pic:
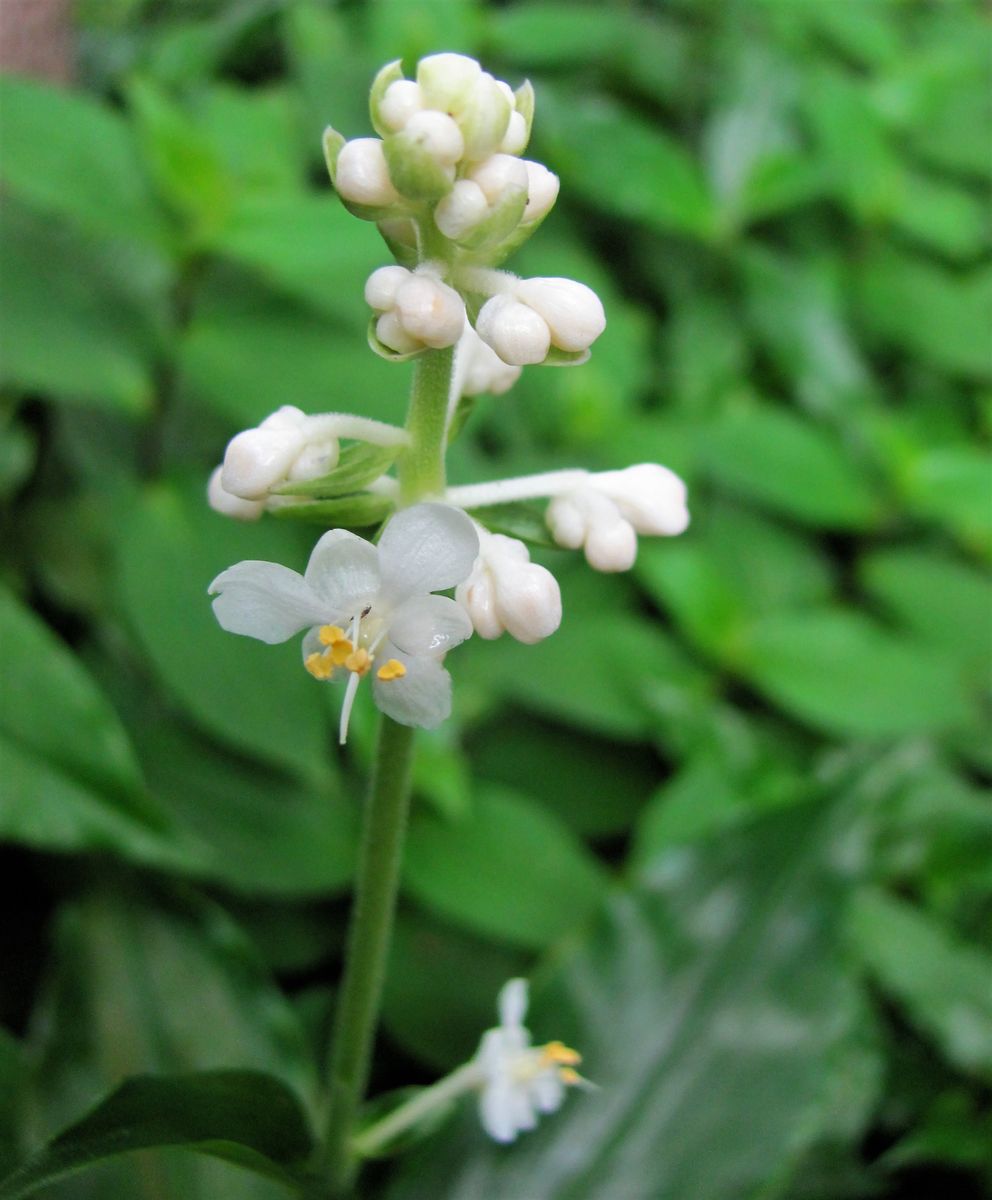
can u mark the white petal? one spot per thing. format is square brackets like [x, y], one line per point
[429, 625]
[426, 548]
[547, 1091]
[496, 1112]
[421, 697]
[344, 570]
[266, 601]
[512, 1002]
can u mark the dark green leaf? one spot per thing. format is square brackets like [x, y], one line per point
[243, 1117]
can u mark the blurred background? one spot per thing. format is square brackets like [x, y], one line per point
[732, 818]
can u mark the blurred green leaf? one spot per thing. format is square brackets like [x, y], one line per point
[13, 1077]
[845, 675]
[717, 991]
[396, 28]
[789, 465]
[469, 870]
[943, 216]
[942, 982]
[70, 156]
[243, 1117]
[254, 697]
[439, 1024]
[77, 317]
[542, 35]
[952, 485]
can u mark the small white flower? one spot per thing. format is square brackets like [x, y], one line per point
[607, 510]
[507, 593]
[362, 176]
[481, 368]
[520, 1080]
[417, 309]
[367, 607]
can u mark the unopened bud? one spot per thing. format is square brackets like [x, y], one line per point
[389, 330]
[461, 210]
[542, 190]
[258, 459]
[362, 175]
[402, 99]
[447, 81]
[437, 134]
[431, 311]
[506, 591]
[517, 333]
[516, 136]
[482, 368]
[485, 117]
[224, 502]
[315, 460]
[584, 517]
[651, 497]
[382, 286]
[496, 173]
[573, 312]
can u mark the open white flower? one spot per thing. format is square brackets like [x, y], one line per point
[367, 609]
[520, 1080]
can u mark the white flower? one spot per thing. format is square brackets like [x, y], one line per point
[362, 176]
[507, 593]
[481, 368]
[520, 1080]
[607, 510]
[417, 309]
[367, 609]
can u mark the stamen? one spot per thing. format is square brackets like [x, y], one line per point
[391, 669]
[341, 651]
[569, 1076]
[358, 661]
[349, 699]
[558, 1052]
[320, 666]
[329, 634]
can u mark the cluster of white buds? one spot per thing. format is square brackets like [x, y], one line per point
[528, 316]
[606, 511]
[480, 369]
[287, 447]
[507, 593]
[416, 308]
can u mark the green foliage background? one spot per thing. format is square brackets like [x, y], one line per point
[731, 817]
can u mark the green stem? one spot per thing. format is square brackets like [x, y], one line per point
[463, 1080]
[422, 466]
[368, 945]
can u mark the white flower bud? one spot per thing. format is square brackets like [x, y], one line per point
[431, 311]
[516, 136]
[506, 591]
[288, 416]
[542, 190]
[447, 81]
[482, 368]
[651, 497]
[438, 134]
[496, 173]
[484, 119]
[567, 522]
[507, 91]
[517, 333]
[389, 330]
[362, 176]
[611, 547]
[585, 517]
[401, 100]
[382, 286]
[258, 459]
[573, 312]
[461, 210]
[315, 460]
[230, 505]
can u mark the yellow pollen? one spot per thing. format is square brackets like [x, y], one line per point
[558, 1052]
[319, 665]
[569, 1075]
[340, 651]
[329, 634]
[358, 661]
[393, 669]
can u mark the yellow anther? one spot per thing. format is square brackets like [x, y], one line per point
[393, 669]
[569, 1076]
[340, 651]
[319, 665]
[558, 1052]
[329, 634]
[358, 661]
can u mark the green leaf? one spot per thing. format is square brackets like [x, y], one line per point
[358, 465]
[845, 675]
[70, 156]
[623, 163]
[468, 870]
[943, 216]
[952, 485]
[543, 35]
[348, 512]
[717, 991]
[942, 982]
[78, 315]
[243, 1117]
[789, 465]
[254, 697]
[437, 1023]
[520, 520]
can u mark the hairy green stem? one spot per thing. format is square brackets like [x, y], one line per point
[422, 465]
[377, 882]
[368, 945]
[376, 1136]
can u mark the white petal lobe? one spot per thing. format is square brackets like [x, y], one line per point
[266, 601]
